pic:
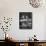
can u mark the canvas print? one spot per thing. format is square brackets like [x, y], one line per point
[25, 20]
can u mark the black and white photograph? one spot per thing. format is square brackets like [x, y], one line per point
[25, 20]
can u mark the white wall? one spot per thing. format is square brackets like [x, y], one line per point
[11, 8]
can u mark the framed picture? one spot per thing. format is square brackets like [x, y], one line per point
[25, 20]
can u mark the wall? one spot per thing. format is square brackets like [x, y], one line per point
[11, 8]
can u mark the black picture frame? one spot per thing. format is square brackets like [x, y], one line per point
[25, 20]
